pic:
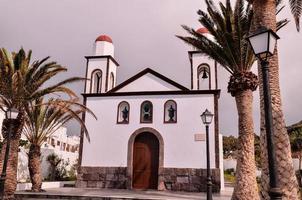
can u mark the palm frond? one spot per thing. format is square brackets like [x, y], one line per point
[296, 9]
[228, 27]
[43, 119]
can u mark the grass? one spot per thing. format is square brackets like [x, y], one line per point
[229, 177]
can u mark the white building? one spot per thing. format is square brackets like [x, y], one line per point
[149, 134]
[65, 147]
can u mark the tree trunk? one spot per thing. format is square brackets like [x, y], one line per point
[34, 166]
[264, 15]
[12, 165]
[246, 184]
[300, 158]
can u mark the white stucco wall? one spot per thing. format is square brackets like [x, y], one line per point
[109, 140]
[104, 48]
[221, 162]
[148, 82]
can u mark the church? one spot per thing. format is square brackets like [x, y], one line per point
[148, 133]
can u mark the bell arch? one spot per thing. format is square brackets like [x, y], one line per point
[203, 77]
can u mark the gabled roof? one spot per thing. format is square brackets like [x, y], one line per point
[145, 72]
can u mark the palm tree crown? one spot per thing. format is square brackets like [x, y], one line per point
[229, 28]
[44, 118]
[22, 81]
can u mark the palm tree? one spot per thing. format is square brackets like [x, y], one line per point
[20, 83]
[229, 28]
[265, 16]
[229, 48]
[42, 119]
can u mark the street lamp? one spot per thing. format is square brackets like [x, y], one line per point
[10, 115]
[206, 118]
[263, 44]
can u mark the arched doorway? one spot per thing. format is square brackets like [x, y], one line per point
[145, 161]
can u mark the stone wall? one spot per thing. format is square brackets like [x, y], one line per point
[188, 179]
[102, 177]
[175, 179]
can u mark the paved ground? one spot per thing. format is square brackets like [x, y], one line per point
[79, 193]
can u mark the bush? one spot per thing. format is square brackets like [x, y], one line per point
[57, 168]
[230, 171]
[229, 175]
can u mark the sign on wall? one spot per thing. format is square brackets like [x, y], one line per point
[199, 137]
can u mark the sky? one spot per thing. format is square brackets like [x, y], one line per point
[143, 33]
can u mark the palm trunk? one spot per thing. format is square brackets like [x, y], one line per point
[246, 184]
[34, 166]
[264, 12]
[12, 165]
[300, 158]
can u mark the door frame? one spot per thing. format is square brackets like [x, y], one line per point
[130, 153]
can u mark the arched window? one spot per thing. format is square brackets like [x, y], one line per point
[170, 112]
[111, 80]
[123, 111]
[146, 112]
[203, 77]
[96, 81]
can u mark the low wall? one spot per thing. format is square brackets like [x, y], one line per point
[45, 185]
[175, 179]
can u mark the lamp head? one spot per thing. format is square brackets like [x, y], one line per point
[207, 117]
[263, 43]
[12, 113]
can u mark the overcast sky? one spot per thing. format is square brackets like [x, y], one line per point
[143, 34]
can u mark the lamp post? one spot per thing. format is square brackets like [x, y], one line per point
[263, 44]
[206, 118]
[11, 115]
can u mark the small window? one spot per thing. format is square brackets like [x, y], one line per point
[58, 143]
[64, 145]
[146, 112]
[203, 77]
[170, 112]
[123, 111]
[96, 81]
[53, 142]
[112, 80]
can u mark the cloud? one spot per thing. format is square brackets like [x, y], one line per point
[143, 32]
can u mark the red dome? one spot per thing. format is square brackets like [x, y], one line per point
[105, 38]
[202, 30]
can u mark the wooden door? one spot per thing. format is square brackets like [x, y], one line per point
[145, 161]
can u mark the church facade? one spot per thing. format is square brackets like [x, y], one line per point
[149, 134]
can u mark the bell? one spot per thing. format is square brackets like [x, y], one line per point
[204, 75]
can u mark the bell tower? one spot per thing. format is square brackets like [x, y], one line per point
[101, 67]
[203, 69]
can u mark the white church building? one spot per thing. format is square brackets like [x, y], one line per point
[149, 134]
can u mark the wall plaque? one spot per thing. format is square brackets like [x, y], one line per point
[200, 137]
